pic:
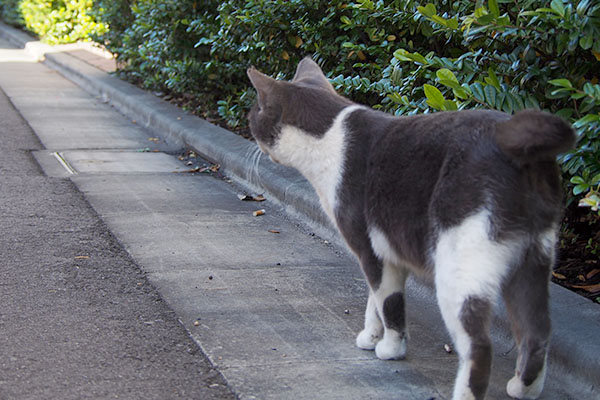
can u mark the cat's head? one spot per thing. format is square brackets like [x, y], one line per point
[307, 103]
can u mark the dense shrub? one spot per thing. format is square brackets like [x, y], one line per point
[56, 21]
[9, 12]
[402, 56]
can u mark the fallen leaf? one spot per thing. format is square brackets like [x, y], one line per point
[558, 276]
[588, 288]
[247, 197]
[154, 139]
[215, 167]
[192, 171]
[592, 273]
[273, 231]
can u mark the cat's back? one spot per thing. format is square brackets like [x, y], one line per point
[432, 171]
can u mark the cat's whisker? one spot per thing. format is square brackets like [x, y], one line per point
[252, 173]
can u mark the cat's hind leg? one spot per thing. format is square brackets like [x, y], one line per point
[469, 270]
[526, 298]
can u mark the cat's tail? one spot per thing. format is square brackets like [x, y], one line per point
[532, 136]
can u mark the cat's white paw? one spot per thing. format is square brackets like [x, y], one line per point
[367, 339]
[516, 389]
[391, 347]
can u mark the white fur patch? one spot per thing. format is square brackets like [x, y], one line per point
[320, 160]
[462, 391]
[469, 264]
[373, 331]
[382, 247]
[516, 389]
[547, 241]
[467, 256]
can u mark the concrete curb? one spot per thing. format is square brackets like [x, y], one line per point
[575, 340]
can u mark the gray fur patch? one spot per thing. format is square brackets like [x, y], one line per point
[393, 312]
[475, 315]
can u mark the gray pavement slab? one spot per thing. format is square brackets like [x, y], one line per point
[276, 313]
[66, 117]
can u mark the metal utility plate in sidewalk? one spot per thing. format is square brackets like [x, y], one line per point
[66, 163]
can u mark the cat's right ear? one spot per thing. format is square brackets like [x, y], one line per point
[262, 83]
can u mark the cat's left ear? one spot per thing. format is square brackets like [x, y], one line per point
[262, 83]
[309, 71]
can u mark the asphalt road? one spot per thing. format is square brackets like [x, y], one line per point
[78, 318]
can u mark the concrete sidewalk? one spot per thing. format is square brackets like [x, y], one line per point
[276, 313]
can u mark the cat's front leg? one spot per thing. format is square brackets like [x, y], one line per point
[389, 298]
[373, 331]
[385, 325]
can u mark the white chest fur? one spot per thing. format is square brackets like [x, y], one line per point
[320, 160]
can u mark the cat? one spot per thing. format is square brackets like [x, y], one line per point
[469, 199]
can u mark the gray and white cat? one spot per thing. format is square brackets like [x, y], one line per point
[471, 199]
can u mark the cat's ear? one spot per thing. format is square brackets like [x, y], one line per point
[262, 83]
[309, 71]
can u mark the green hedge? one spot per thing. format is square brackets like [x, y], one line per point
[401, 56]
[56, 21]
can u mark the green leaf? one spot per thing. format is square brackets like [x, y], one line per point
[395, 97]
[490, 95]
[586, 42]
[595, 180]
[479, 12]
[450, 105]
[477, 90]
[404, 55]
[485, 19]
[452, 23]
[428, 11]
[345, 20]
[561, 82]
[435, 98]
[508, 105]
[558, 7]
[493, 6]
[503, 21]
[582, 7]
[446, 74]
[560, 93]
[439, 20]
[492, 79]
[449, 83]
[518, 101]
[588, 119]
[580, 189]
[460, 93]
[578, 95]
[577, 180]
